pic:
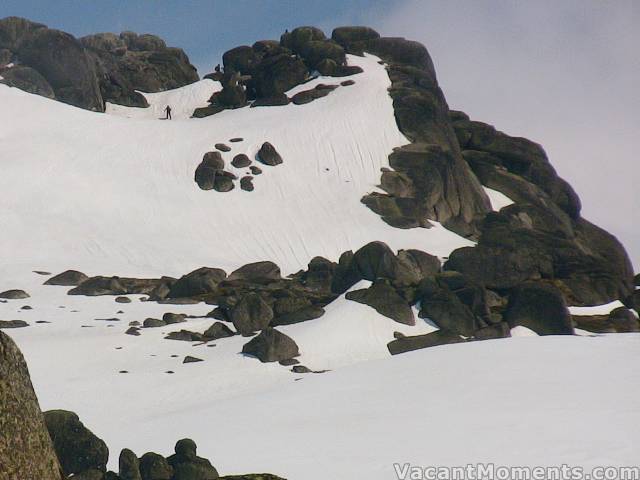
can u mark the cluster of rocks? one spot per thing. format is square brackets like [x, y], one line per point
[92, 70]
[211, 174]
[541, 241]
[261, 74]
[57, 445]
[255, 299]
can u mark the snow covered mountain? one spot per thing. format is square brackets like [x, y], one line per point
[474, 237]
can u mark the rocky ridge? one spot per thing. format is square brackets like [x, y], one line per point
[92, 70]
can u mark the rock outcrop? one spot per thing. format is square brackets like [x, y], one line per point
[90, 71]
[26, 450]
[128, 62]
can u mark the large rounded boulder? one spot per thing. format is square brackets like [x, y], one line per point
[77, 448]
[539, 307]
[187, 465]
[199, 282]
[271, 345]
[27, 79]
[63, 61]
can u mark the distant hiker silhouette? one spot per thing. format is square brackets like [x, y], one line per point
[168, 112]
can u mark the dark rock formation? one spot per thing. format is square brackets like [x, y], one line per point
[241, 161]
[27, 79]
[129, 465]
[93, 70]
[155, 467]
[303, 314]
[201, 281]
[308, 96]
[131, 62]
[271, 346]
[69, 278]
[185, 336]
[269, 155]
[13, 324]
[187, 465]
[433, 339]
[190, 359]
[211, 166]
[429, 183]
[76, 447]
[251, 314]
[257, 272]
[64, 63]
[14, 294]
[441, 305]
[354, 39]
[539, 307]
[274, 101]
[26, 450]
[619, 320]
[218, 330]
[385, 300]
[590, 268]
[96, 286]
[246, 184]
[153, 323]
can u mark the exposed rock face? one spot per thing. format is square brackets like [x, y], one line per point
[76, 447]
[271, 346]
[428, 183]
[64, 63]
[441, 305]
[590, 267]
[430, 178]
[26, 450]
[130, 62]
[93, 70]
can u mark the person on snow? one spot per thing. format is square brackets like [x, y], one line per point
[168, 112]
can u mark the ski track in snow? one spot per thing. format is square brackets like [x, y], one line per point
[114, 194]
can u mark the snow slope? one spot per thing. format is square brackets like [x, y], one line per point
[112, 195]
[183, 101]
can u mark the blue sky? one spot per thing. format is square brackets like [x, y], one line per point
[562, 73]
